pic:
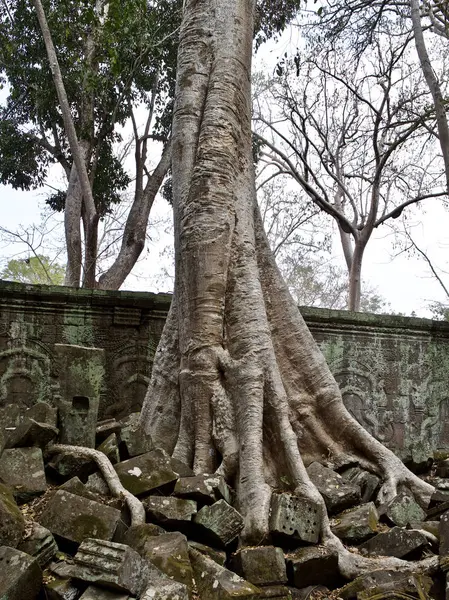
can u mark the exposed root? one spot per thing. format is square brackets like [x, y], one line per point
[135, 506]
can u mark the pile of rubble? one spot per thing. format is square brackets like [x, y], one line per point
[64, 537]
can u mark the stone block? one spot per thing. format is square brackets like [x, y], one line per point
[105, 428]
[165, 590]
[2, 439]
[219, 556]
[312, 566]
[444, 534]
[20, 575]
[42, 412]
[61, 589]
[217, 583]
[221, 523]
[264, 565]
[356, 525]
[404, 509]
[12, 523]
[64, 466]
[384, 584]
[76, 486]
[110, 448]
[204, 489]
[169, 552]
[40, 544]
[111, 565]
[10, 415]
[396, 542]
[366, 481]
[276, 592]
[136, 535]
[81, 373]
[146, 472]
[170, 512]
[75, 518]
[297, 518]
[133, 439]
[22, 469]
[94, 592]
[31, 433]
[338, 494]
[97, 485]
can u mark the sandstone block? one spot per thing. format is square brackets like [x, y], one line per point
[297, 518]
[366, 481]
[40, 544]
[22, 469]
[404, 509]
[219, 556]
[42, 412]
[356, 525]
[221, 523]
[76, 518]
[62, 589]
[110, 448]
[205, 489]
[94, 592]
[76, 486]
[146, 472]
[105, 428]
[170, 512]
[338, 494]
[312, 566]
[31, 433]
[396, 542]
[20, 575]
[444, 534]
[133, 439]
[264, 565]
[12, 523]
[165, 590]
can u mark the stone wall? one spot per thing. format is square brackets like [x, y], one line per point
[392, 370]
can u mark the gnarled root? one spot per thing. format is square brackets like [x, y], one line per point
[135, 506]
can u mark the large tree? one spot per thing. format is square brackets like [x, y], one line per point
[239, 386]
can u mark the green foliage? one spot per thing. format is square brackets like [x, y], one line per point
[272, 17]
[134, 54]
[36, 269]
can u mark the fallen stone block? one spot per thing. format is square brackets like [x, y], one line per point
[109, 564]
[383, 584]
[443, 531]
[396, 542]
[137, 535]
[64, 466]
[404, 509]
[338, 494]
[94, 592]
[217, 583]
[12, 523]
[20, 575]
[2, 439]
[165, 590]
[170, 512]
[264, 565]
[22, 469]
[146, 472]
[75, 518]
[204, 489]
[133, 439]
[76, 486]
[105, 428]
[220, 523]
[276, 592]
[356, 525]
[97, 485]
[219, 556]
[366, 481]
[62, 589]
[10, 415]
[31, 433]
[110, 448]
[297, 518]
[42, 412]
[312, 566]
[40, 544]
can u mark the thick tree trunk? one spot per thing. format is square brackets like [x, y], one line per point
[238, 385]
[355, 277]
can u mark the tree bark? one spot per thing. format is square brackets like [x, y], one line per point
[355, 277]
[239, 386]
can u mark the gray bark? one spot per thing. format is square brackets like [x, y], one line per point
[238, 385]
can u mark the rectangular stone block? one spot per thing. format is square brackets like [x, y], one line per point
[262, 566]
[20, 575]
[76, 518]
[94, 592]
[22, 469]
[170, 512]
[298, 518]
[111, 565]
[220, 522]
[146, 472]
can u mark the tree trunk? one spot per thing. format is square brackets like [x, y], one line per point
[239, 386]
[355, 277]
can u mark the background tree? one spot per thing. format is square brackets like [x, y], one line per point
[115, 57]
[355, 138]
[239, 386]
[35, 269]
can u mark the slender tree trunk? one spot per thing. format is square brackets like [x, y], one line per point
[355, 277]
[239, 386]
[133, 241]
[72, 221]
[434, 86]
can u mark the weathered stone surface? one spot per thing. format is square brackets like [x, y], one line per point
[40, 544]
[31, 433]
[396, 542]
[338, 494]
[275, 592]
[221, 523]
[42, 412]
[94, 592]
[81, 372]
[12, 523]
[62, 589]
[76, 486]
[20, 575]
[136, 535]
[444, 534]
[264, 565]
[356, 525]
[23, 470]
[169, 552]
[298, 518]
[205, 489]
[312, 566]
[146, 472]
[382, 584]
[219, 556]
[105, 428]
[65, 465]
[111, 565]
[10, 415]
[165, 590]
[110, 448]
[217, 583]
[2, 439]
[366, 481]
[404, 509]
[133, 439]
[76, 518]
[97, 485]
[169, 511]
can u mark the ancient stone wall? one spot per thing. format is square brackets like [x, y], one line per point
[392, 370]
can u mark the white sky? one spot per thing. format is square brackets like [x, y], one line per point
[404, 281]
